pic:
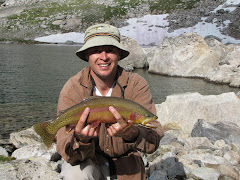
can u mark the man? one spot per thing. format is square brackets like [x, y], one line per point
[110, 150]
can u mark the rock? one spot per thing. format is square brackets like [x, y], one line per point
[205, 159]
[176, 171]
[189, 55]
[69, 42]
[186, 55]
[57, 22]
[31, 151]
[229, 67]
[206, 173]
[7, 11]
[158, 174]
[128, 68]
[24, 138]
[149, 52]
[197, 142]
[3, 152]
[36, 169]
[222, 145]
[43, 26]
[182, 111]
[228, 172]
[20, 3]
[29, 144]
[60, 17]
[233, 157]
[71, 24]
[136, 58]
[238, 94]
[169, 137]
[215, 45]
[229, 132]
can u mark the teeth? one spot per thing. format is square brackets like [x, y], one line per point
[103, 65]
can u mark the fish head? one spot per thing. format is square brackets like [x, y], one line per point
[148, 119]
[143, 118]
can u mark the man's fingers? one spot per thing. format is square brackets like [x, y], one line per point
[85, 130]
[117, 116]
[96, 131]
[110, 131]
[91, 131]
[81, 123]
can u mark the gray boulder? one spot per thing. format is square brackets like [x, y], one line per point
[182, 111]
[228, 71]
[33, 159]
[29, 144]
[206, 173]
[24, 138]
[136, 58]
[3, 152]
[189, 55]
[229, 132]
[36, 169]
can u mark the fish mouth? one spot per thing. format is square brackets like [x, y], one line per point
[146, 123]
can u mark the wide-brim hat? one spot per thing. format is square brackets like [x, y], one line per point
[101, 35]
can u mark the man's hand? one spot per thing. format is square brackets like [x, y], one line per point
[85, 132]
[121, 127]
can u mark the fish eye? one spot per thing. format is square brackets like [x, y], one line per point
[147, 115]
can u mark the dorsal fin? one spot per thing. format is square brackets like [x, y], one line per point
[91, 97]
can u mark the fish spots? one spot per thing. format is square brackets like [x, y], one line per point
[133, 116]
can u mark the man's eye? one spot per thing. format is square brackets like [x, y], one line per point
[95, 51]
[110, 51]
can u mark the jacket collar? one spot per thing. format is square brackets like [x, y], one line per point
[122, 78]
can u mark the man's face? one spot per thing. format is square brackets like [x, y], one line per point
[103, 61]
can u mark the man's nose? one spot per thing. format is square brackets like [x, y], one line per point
[103, 55]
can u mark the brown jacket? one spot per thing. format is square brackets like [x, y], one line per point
[127, 160]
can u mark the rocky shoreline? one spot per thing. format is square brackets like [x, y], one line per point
[202, 141]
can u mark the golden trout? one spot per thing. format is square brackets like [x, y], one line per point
[99, 113]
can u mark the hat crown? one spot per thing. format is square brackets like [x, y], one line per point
[102, 30]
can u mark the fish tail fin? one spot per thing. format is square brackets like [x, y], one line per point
[41, 130]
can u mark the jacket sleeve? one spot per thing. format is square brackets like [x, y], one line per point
[68, 146]
[148, 139]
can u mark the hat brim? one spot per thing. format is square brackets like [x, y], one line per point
[100, 41]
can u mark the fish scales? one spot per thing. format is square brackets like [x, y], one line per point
[99, 112]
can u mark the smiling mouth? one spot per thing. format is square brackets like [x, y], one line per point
[104, 65]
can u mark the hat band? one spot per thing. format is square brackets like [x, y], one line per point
[102, 34]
